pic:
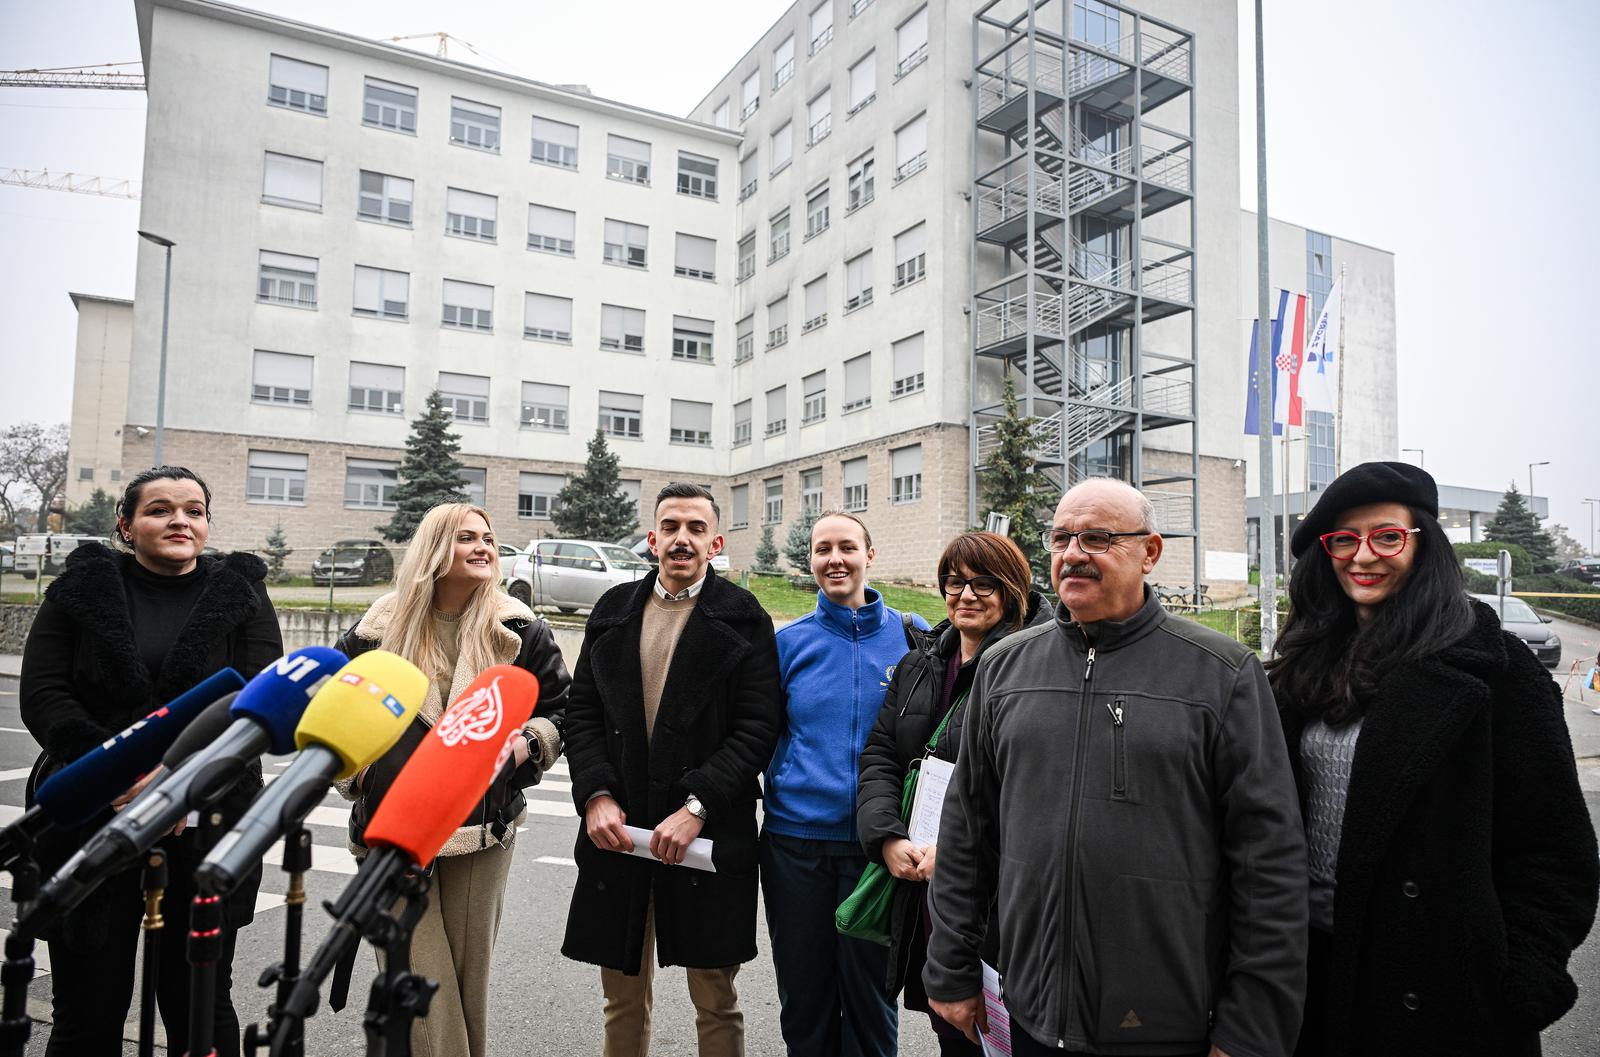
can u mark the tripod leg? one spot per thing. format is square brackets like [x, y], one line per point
[154, 883]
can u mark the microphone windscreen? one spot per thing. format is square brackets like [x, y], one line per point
[206, 728]
[363, 709]
[453, 767]
[277, 698]
[78, 791]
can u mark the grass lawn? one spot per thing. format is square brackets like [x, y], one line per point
[787, 603]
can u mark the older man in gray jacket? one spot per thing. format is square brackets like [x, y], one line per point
[1123, 792]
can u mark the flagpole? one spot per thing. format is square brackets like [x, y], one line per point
[1267, 539]
[1338, 418]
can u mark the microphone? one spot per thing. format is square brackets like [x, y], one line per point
[207, 727]
[431, 797]
[265, 714]
[354, 719]
[74, 794]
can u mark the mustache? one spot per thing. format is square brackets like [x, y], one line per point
[1088, 572]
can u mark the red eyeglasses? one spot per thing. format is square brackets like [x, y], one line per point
[1385, 542]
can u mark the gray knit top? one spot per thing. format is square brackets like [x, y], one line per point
[1325, 757]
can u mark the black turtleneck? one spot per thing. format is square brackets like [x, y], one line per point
[158, 607]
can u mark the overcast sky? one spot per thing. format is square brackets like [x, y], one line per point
[1442, 130]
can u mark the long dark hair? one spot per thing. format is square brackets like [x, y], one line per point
[1327, 664]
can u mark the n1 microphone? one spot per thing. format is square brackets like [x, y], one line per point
[76, 792]
[354, 719]
[265, 715]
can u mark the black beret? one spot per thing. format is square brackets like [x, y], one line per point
[1371, 482]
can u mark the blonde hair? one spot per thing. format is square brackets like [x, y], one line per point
[428, 559]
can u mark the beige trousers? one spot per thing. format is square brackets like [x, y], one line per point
[453, 945]
[717, 1018]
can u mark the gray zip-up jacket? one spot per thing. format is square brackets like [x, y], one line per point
[1124, 789]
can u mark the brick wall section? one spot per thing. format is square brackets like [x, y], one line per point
[1221, 517]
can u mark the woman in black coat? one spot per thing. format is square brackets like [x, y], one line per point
[118, 635]
[988, 595]
[1452, 861]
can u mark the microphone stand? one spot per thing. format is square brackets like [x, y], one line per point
[154, 883]
[398, 996]
[17, 971]
[286, 973]
[207, 923]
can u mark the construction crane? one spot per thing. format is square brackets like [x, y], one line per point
[102, 75]
[444, 39]
[76, 183]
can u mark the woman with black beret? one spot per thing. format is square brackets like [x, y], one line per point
[1452, 861]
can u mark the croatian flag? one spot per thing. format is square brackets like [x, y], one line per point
[1319, 367]
[1252, 403]
[1286, 397]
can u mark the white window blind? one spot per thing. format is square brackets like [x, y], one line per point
[858, 382]
[381, 293]
[696, 257]
[722, 115]
[782, 146]
[621, 329]
[741, 423]
[817, 212]
[858, 281]
[816, 301]
[387, 105]
[772, 511]
[911, 147]
[815, 387]
[298, 85]
[466, 395]
[747, 175]
[536, 494]
[778, 322]
[464, 384]
[744, 337]
[816, 383]
[621, 414]
[475, 482]
[281, 378]
[863, 81]
[555, 143]
[547, 318]
[821, 25]
[911, 41]
[777, 410]
[544, 406]
[293, 181]
[277, 460]
[691, 422]
[289, 262]
[370, 483]
[908, 376]
[780, 237]
[475, 124]
[471, 214]
[855, 472]
[628, 159]
[276, 477]
[910, 255]
[819, 116]
[739, 506]
[860, 182]
[377, 387]
[468, 305]
[626, 243]
[750, 94]
[552, 230]
[691, 339]
[385, 198]
[286, 279]
[697, 175]
[783, 62]
[905, 474]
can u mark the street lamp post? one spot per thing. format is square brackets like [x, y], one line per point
[1531, 465]
[1421, 460]
[161, 376]
[1592, 503]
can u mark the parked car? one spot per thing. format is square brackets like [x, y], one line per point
[1585, 569]
[508, 561]
[1520, 619]
[572, 574]
[8, 557]
[353, 562]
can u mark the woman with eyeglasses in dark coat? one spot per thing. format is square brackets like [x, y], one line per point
[1452, 861]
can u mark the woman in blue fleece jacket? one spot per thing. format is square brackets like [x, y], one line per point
[835, 664]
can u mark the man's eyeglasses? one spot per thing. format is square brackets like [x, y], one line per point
[1090, 541]
[1385, 542]
[982, 586]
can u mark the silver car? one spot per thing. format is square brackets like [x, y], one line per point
[572, 574]
[1520, 619]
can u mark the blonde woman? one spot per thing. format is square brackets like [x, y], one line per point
[448, 616]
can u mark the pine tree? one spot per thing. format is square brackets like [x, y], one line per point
[593, 505]
[97, 517]
[767, 553]
[430, 473]
[1011, 484]
[1513, 522]
[277, 551]
[797, 545]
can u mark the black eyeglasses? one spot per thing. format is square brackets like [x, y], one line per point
[982, 586]
[1090, 541]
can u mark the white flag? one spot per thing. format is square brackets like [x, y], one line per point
[1319, 371]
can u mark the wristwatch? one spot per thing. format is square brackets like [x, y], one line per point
[695, 807]
[535, 750]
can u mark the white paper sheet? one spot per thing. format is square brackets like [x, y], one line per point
[696, 857]
[997, 1040]
[928, 801]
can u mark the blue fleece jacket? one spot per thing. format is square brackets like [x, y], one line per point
[835, 663]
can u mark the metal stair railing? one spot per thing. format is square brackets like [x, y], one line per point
[1167, 166]
[1170, 396]
[1089, 68]
[1174, 510]
[1167, 55]
[996, 88]
[1168, 280]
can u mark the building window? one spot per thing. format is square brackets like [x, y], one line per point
[475, 125]
[816, 308]
[695, 257]
[276, 477]
[116, 475]
[747, 175]
[907, 366]
[783, 63]
[621, 414]
[910, 255]
[747, 258]
[741, 423]
[555, 143]
[911, 148]
[298, 85]
[772, 508]
[821, 26]
[381, 294]
[691, 339]
[911, 43]
[750, 96]
[370, 483]
[538, 495]
[739, 506]
[626, 244]
[86, 473]
[552, 230]
[466, 396]
[860, 183]
[858, 281]
[1320, 428]
[390, 106]
[1096, 23]
[777, 411]
[628, 159]
[378, 388]
[621, 329]
[819, 118]
[811, 492]
[281, 378]
[470, 215]
[858, 6]
[544, 407]
[722, 117]
[284, 279]
[475, 482]
[384, 198]
[817, 212]
[691, 423]
[697, 176]
[468, 306]
[547, 318]
[778, 322]
[744, 340]
[858, 383]
[863, 83]
[291, 181]
[905, 474]
[855, 484]
[782, 147]
[778, 245]
[815, 408]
